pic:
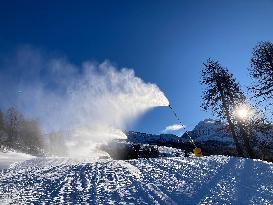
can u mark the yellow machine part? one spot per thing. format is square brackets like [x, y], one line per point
[197, 152]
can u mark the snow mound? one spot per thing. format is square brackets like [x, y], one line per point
[176, 180]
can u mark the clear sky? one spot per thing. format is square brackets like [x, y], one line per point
[165, 42]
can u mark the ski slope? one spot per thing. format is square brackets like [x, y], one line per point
[8, 157]
[177, 180]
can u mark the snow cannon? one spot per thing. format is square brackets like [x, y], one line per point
[197, 152]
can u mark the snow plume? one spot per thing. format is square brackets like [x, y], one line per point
[94, 101]
[174, 127]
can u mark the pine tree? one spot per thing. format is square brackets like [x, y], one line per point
[262, 70]
[222, 94]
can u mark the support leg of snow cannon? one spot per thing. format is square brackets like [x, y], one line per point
[197, 152]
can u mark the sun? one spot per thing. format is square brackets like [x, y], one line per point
[243, 112]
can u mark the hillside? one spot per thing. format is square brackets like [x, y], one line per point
[177, 180]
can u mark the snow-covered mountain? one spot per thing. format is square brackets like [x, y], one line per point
[215, 130]
[212, 135]
[144, 138]
[207, 130]
[210, 130]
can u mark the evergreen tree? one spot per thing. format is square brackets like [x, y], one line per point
[222, 95]
[262, 70]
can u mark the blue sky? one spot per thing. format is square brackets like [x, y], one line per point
[165, 42]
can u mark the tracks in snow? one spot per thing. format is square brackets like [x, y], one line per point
[207, 180]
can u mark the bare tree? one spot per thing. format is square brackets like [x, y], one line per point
[13, 122]
[22, 134]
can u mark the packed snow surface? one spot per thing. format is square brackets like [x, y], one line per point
[9, 157]
[177, 180]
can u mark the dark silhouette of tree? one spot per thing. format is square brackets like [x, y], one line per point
[261, 70]
[1, 120]
[222, 95]
[32, 139]
[20, 134]
[13, 121]
[3, 134]
[258, 124]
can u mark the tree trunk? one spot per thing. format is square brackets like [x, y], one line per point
[235, 138]
[228, 117]
[246, 140]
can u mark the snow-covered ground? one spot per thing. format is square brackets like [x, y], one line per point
[8, 157]
[177, 180]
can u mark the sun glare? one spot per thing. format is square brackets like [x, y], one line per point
[243, 112]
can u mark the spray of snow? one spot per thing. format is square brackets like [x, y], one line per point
[94, 101]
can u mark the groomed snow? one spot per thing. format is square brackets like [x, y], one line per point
[177, 180]
[8, 158]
